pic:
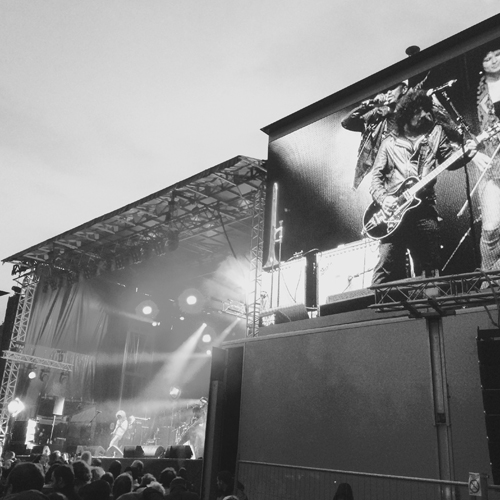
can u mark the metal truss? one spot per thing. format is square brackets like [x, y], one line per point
[438, 296]
[195, 213]
[18, 339]
[34, 360]
[234, 308]
[257, 244]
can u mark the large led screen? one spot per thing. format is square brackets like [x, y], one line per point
[314, 167]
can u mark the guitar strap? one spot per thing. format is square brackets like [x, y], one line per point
[422, 156]
[427, 153]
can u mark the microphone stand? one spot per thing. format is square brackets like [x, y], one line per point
[463, 127]
[279, 240]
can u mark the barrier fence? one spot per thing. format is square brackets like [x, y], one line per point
[264, 481]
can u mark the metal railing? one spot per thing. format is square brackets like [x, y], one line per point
[264, 481]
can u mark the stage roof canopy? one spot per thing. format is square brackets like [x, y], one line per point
[199, 215]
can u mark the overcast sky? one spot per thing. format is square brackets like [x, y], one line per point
[103, 102]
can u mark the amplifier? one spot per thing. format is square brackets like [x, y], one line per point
[345, 269]
[285, 285]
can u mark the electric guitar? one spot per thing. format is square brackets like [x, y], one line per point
[378, 224]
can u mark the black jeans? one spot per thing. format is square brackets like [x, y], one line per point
[418, 233]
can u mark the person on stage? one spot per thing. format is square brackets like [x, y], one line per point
[119, 430]
[488, 111]
[374, 118]
[195, 432]
[414, 149]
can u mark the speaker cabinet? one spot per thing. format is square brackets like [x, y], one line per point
[133, 451]
[147, 451]
[178, 451]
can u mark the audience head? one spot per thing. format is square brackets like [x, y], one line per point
[178, 484]
[136, 469]
[183, 473]
[344, 492]
[154, 491]
[225, 480]
[122, 484]
[167, 476]
[63, 477]
[109, 478]
[56, 495]
[96, 462]
[86, 457]
[54, 457]
[97, 473]
[25, 476]
[30, 495]
[82, 472]
[115, 467]
[147, 479]
[98, 490]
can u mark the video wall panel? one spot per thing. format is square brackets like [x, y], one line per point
[314, 166]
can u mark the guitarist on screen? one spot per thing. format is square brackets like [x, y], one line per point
[417, 147]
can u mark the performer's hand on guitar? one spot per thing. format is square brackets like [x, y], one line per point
[389, 204]
[482, 161]
[471, 147]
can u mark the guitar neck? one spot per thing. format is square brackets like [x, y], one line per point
[457, 155]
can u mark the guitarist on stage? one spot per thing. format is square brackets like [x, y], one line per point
[119, 430]
[416, 147]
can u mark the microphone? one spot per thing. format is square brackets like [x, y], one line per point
[441, 87]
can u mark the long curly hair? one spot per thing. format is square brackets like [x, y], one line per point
[411, 102]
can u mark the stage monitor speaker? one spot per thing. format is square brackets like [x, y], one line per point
[347, 302]
[96, 451]
[178, 451]
[284, 315]
[18, 448]
[152, 450]
[58, 406]
[133, 451]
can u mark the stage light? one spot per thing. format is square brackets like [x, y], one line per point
[32, 374]
[191, 301]
[155, 323]
[147, 308]
[63, 377]
[182, 318]
[209, 352]
[206, 338]
[44, 374]
[175, 392]
[15, 407]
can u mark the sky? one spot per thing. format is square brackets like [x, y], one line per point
[103, 102]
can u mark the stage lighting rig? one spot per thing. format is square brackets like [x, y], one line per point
[175, 392]
[191, 301]
[148, 309]
[15, 407]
